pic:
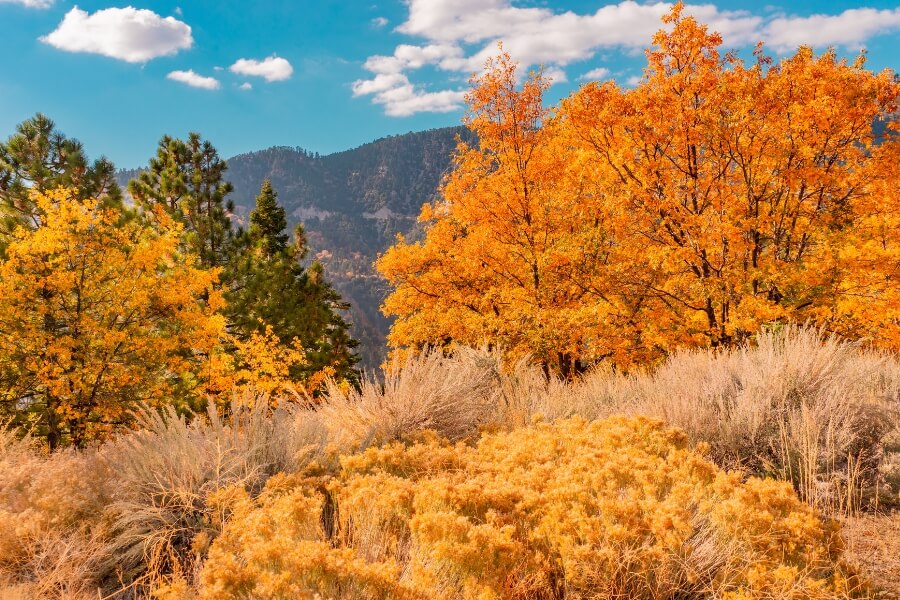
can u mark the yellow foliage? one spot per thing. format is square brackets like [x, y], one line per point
[605, 509]
[97, 314]
[261, 362]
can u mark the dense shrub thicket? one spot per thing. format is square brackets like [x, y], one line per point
[616, 508]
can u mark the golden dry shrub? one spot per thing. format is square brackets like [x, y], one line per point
[617, 508]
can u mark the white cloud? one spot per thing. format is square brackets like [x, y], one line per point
[273, 68]
[379, 22]
[555, 75]
[194, 80]
[30, 3]
[598, 74]
[459, 35]
[401, 98]
[533, 36]
[850, 29]
[246, 86]
[380, 83]
[129, 34]
[542, 36]
[633, 81]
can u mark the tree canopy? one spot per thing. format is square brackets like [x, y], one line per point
[38, 157]
[97, 316]
[270, 289]
[714, 199]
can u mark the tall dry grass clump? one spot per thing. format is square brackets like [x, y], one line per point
[51, 540]
[170, 473]
[795, 404]
[451, 395]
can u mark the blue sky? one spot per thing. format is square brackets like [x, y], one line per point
[329, 75]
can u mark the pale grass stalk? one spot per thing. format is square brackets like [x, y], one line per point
[430, 391]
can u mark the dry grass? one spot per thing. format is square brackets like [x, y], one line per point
[797, 406]
[873, 546]
[453, 396]
[48, 520]
[129, 514]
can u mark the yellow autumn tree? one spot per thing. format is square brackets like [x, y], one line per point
[711, 200]
[99, 313]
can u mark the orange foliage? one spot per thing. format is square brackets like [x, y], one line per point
[713, 199]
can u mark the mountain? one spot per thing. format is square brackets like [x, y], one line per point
[352, 205]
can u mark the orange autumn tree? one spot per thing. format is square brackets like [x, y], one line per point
[868, 302]
[494, 265]
[744, 184]
[712, 200]
[97, 314]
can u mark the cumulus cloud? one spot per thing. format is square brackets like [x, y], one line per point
[30, 3]
[194, 80]
[401, 98]
[246, 86]
[597, 74]
[129, 34]
[459, 35]
[850, 29]
[271, 69]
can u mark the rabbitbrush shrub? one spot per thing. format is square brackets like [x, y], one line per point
[617, 508]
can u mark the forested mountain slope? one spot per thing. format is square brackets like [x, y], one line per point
[352, 204]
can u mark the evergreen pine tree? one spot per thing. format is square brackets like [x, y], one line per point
[268, 222]
[269, 287]
[186, 178]
[40, 158]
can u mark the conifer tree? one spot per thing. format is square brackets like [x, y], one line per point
[38, 157]
[187, 179]
[268, 222]
[269, 287]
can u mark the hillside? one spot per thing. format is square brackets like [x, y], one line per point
[352, 204]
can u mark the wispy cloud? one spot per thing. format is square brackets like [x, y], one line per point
[129, 34]
[379, 22]
[194, 80]
[30, 3]
[555, 75]
[595, 74]
[245, 86]
[271, 69]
